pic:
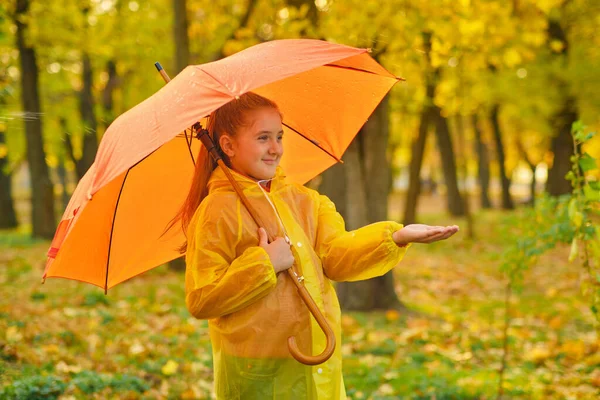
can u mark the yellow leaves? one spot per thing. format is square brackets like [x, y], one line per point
[50, 349]
[538, 354]
[349, 324]
[595, 378]
[556, 322]
[574, 349]
[13, 334]
[136, 348]
[170, 368]
[511, 57]
[551, 292]
[64, 368]
[386, 390]
[3, 150]
[392, 315]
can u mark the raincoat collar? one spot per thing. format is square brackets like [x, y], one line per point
[218, 181]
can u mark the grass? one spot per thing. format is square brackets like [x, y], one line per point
[67, 340]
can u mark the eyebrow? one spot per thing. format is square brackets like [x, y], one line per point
[263, 132]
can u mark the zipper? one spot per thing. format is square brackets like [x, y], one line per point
[286, 237]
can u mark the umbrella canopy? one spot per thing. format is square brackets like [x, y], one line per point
[113, 226]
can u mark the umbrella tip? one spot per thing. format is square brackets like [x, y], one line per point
[158, 66]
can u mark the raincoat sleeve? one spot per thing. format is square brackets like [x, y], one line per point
[216, 281]
[361, 254]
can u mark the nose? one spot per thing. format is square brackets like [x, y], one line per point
[276, 148]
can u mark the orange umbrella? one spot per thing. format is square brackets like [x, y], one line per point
[113, 226]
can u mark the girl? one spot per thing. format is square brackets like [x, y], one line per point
[233, 274]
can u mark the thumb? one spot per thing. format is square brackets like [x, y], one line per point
[262, 237]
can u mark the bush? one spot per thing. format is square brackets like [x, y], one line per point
[34, 388]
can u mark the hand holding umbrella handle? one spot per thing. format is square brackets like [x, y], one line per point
[202, 134]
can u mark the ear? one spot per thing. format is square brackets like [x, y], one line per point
[226, 144]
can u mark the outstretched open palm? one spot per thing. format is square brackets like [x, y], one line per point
[420, 233]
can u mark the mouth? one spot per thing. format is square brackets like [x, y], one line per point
[270, 162]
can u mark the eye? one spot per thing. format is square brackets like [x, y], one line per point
[280, 137]
[264, 137]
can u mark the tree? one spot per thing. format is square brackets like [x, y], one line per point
[8, 218]
[42, 196]
[507, 202]
[563, 118]
[483, 164]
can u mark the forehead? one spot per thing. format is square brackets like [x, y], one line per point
[263, 119]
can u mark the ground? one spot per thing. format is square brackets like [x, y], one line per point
[69, 339]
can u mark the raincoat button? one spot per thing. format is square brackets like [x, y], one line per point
[299, 244]
[320, 371]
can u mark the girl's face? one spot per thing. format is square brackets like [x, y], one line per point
[256, 148]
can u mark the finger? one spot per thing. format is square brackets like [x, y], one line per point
[262, 237]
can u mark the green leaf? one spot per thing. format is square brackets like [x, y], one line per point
[577, 126]
[595, 185]
[590, 193]
[587, 162]
[574, 251]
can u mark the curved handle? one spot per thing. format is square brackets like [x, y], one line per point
[314, 310]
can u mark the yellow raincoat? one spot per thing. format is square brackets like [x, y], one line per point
[252, 311]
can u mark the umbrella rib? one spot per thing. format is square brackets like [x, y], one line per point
[360, 70]
[112, 228]
[313, 142]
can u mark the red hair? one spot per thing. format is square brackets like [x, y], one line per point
[227, 119]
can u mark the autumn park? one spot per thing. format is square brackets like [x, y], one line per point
[455, 142]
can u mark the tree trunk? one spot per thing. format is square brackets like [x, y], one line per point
[462, 167]
[367, 170]
[507, 202]
[88, 116]
[532, 167]
[454, 199]
[8, 218]
[42, 194]
[483, 165]
[180, 34]
[562, 143]
[562, 148]
[182, 60]
[108, 104]
[416, 161]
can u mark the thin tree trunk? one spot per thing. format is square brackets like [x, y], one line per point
[462, 167]
[532, 167]
[88, 116]
[42, 195]
[180, 34]
[108, 104]
[507, 202]
[416, 162]
[454, 199]
[182, 60]
[483, 165]
[8, 218]
[418, 145]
